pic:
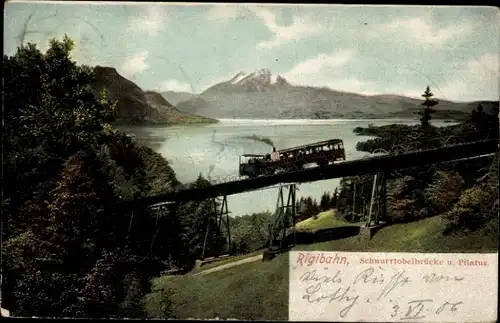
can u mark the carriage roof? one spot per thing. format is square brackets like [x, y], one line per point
[252, 155]
[316, 144]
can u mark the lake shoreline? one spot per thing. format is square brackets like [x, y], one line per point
[266, 122]
[255, 121]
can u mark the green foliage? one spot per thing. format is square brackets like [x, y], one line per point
[250, 232]
[307, 207]
[468, 214]
[134, 289]
[484, 123]
[443, 192]
[158, 304]
[71, 251]
[426, 191]
[477, 206]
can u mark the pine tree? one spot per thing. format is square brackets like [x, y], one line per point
[335, 198]
[428, 110]
[325, 199]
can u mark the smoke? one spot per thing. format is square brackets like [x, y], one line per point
[223, 146]
[221, 150]
[263, 140]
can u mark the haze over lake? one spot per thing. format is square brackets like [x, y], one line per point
[192, 150]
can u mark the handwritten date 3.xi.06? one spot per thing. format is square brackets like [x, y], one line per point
[419, 309]
[348, 296]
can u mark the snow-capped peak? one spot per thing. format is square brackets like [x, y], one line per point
[262, 77]
[237, 77]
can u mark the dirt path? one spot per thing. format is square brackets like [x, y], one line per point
[232, 264]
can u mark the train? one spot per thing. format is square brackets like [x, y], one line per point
[292, 159]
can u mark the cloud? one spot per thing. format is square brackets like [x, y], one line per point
[478, 79]
[422, 31]
[301, 27]
[308, 70]
[174, 85]
[320, 71]
[225, 13]
[150, 21]
[135, 65]
[352, 85]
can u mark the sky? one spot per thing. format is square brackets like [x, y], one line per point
[362, 49]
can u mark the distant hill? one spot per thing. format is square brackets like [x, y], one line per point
[176, 97]
[259, 95]
[136, 106]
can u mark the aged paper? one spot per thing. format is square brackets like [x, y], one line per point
[392, 287]
[163, 158]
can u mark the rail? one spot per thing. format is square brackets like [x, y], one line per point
[372, 164]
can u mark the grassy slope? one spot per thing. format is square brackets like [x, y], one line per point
[325, 220]
[252, 291]
[231, 259]
[260, 290]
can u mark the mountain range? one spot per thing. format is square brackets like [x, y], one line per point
[260, 95]
[176, 97]
[136, 106]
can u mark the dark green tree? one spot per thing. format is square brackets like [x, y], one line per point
[325, 203]
[69, 247]
[335, 197]
[485, 125]
[428, 104]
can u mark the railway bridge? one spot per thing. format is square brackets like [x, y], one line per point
[285, 215]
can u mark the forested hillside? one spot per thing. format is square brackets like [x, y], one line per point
[465, 193]
[67, 249]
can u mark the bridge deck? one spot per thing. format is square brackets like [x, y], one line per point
[343, 169]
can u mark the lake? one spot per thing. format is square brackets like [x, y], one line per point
[214, 149]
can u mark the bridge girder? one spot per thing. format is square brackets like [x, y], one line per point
[284, 215]
[348, 168]
[378, 201]
[220, 213]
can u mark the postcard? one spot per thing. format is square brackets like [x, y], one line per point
[278, 162]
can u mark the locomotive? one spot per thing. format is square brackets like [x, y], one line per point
[292, 159]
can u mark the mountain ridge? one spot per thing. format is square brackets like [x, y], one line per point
[175, 97]
[258, 95]
[136, 106]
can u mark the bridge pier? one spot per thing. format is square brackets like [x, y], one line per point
[219, 213]
[378, 201]
[163, 213]
[281, 219]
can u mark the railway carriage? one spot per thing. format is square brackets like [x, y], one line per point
[293, 159]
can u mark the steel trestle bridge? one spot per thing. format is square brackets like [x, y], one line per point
[373, 164]
[284, 217]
